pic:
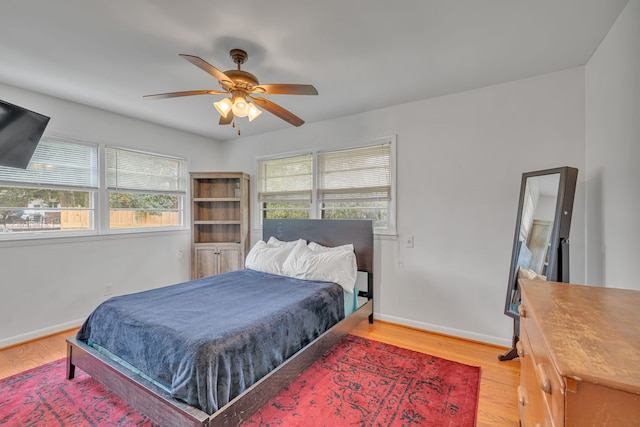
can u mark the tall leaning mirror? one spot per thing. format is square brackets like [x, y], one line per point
[541, 241]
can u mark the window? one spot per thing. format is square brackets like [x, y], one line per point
[353, 183]
[285, 187]
[356, 184]
[145, 190]
[55, 193]
[63, 192]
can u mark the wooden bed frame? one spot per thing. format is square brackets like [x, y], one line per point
[167, 411]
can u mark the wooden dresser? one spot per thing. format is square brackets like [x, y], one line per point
[579, 354]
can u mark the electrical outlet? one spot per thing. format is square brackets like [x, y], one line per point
[108, 289]
[408, 242]
[180, 256]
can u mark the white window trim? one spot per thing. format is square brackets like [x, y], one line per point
[101, 201]
[315, 209]
[103, 197]
[48, 235]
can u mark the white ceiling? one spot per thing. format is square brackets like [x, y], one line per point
[361, 55]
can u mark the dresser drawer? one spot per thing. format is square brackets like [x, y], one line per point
[550, 384]
[531, 405]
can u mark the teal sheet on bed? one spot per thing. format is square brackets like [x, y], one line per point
[350, 302]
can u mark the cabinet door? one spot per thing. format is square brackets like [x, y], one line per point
[229, 259]
[212, 260]
[206, 262]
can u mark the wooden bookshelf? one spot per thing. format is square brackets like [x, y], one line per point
[219, 222]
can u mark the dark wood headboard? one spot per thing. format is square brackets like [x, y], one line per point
[328, 232]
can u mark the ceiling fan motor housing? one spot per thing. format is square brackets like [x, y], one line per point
[241, 79]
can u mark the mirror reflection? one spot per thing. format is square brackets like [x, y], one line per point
[536, 225]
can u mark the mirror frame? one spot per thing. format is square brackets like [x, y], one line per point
[558, 255]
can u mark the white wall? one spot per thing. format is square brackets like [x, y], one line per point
[460, 159]
[50, 285]
[613, 155]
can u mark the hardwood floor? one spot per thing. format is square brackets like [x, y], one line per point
[34, 353]
[499, 380]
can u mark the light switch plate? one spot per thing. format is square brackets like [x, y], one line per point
[408, 242]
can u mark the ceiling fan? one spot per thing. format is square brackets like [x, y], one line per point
[242, 86]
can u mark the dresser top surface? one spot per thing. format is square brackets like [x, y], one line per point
[592, 332]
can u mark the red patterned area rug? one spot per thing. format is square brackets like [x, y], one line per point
[44, 397]
[359, 382]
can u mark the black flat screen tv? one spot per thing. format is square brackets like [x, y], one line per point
[20, 133]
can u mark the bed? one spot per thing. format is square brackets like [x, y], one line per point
[154, 400]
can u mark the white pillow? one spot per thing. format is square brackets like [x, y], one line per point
[275, 242]
[338, 266]
[268, 258]
[318, 247]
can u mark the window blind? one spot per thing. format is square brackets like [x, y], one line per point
[132, 170]
[288, 179]
[58, 164]
[360, 173]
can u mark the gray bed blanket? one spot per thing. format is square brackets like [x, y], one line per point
[208, 340]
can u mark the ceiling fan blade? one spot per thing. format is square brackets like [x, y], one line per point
[204, 65]
[277, 110]
[184, 93]
[286, 89]
[226, 120]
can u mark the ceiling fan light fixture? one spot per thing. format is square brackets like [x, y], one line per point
[240, 106]
[223, 106]
[253, 112]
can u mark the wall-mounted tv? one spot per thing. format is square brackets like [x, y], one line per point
[20, 133]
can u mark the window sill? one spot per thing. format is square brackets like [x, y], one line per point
[385, 236]
[39, 240]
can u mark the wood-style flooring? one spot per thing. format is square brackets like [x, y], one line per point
[499, 380]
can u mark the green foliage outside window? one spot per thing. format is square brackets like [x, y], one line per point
[20, 206]
[375, 211]
[149, 204]
[21, 198]
[286, 210]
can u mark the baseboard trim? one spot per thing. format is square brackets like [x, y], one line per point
[38, 334]
[429, 327]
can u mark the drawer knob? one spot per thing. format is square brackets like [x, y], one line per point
[521, 397]
[521, 311]
[519, 349]
[543, 377]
